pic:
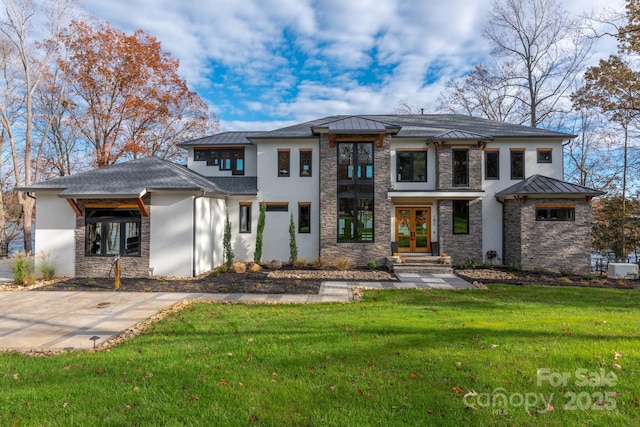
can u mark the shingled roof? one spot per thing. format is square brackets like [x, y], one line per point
[129, 179]
[538, 185]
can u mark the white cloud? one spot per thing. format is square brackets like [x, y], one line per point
[293, 60]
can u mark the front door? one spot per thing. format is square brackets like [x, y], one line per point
[412, 229]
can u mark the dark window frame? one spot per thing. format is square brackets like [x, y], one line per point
[512, 159]
[244, 210]
[454, 168]
[216, 157]
[284, 163]
[351, 189]
[495, 153]
[304, 218]
[411, 163]
[277, 207]
[303, 162]
[555, 214]
[464, 208]
[104, 217]
[541, 155]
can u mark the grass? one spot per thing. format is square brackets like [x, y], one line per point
[397, 358]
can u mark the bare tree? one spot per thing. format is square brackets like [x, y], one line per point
[24, 73]
[539, 50]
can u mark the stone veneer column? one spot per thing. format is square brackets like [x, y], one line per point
[357, 253]
[444, 168]
[460, 246]
[101, 266]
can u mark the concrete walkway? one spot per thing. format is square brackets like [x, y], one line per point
[39, 321]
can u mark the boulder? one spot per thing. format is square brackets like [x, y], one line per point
[275, 265]
[255, 267]
[239, 267]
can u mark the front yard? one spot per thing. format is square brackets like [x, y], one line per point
[510, 355]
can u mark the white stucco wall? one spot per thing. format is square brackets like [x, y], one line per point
[293, 189]
[55, 233]
[250, 163]
[172, 233]
[210, 216]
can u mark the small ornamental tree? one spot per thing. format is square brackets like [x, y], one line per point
[293, 247]
[257, 255]
[228, 251]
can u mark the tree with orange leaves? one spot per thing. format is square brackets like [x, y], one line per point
[126, 97]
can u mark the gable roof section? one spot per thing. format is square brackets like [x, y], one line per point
[538, 185]
[458, 135]
[415, 126]
[224, 138]
[354, 124]
[129, 179]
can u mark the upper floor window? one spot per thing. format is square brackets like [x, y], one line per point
[305, 162]
[460, 166]
[492, 164]
[411, 166]
[111, 232]
[517, 164]
[227, 159]
[284, 162]
[544, 155]
[355, 192]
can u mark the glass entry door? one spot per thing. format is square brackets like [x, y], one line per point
[412, 229]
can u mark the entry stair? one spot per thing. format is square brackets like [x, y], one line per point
[419, 264]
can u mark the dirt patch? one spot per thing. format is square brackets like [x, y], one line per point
[285, 281]
[523, 278]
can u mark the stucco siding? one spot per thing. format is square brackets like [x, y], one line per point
[210, 213]
[250, 163]
[55, 233]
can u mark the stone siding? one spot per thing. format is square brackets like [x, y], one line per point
[460, 246]
[102, 266]
[358, 253]
[551, 245]
[512, 233]
[444, 168]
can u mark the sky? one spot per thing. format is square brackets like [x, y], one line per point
[265, 64]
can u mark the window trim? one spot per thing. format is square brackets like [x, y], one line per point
[411, 151]
[244, 207]
[302, 152]
[453, 167]
[122, 222]
[301, 207]
[495, 151]
[453, 217]
[540, 151]
[520, 151]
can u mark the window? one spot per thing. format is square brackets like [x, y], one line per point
[517, 164]
[492, 164]
[411, 166]
[304, 218]
[355, 192]
[245, 217]
[460, 217]
[544, 155]
[112, 232]
[460, 167]
[277, 207]
[227, 159]
[555, 213]
[305, 162]
[283, 163]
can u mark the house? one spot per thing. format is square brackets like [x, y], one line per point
[357, 187]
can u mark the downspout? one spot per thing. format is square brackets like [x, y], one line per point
[503, 229]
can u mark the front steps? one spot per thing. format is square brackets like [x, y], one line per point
[419, 264]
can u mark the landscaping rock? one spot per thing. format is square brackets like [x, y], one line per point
[239, 267]
[255, 267]
[275, 265]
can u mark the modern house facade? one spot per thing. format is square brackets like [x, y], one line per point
[358, 187]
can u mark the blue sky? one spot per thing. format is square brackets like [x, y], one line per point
[263, 64]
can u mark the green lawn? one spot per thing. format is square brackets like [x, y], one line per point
[397, 358]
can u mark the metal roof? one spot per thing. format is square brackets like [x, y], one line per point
[544, 185]
[129, 179]
[224, 138]
[354, 124]
[458, 135]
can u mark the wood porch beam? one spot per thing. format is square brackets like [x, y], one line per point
[74, 206]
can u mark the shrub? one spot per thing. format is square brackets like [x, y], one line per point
[318, 263]
[515, 266]
[489, 265]
[22, 269]
[47, 266]
[343, 263]
[293, 246]
[300, 262]
[228, 250]
[565, 271]
[589, 276]
[470, 262]
[372, 265]
[539, 270]
[257, 255]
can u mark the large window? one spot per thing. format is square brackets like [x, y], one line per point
[411, 166]
[245, 217]
[305, 162]
[460, 167]
[284, 162]
[355, 192]
[304, 218]
[555, 213]
[492, 165]
[112, 232]
[544, 155]
[226, 159]
[460, 217]
[517, 164]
